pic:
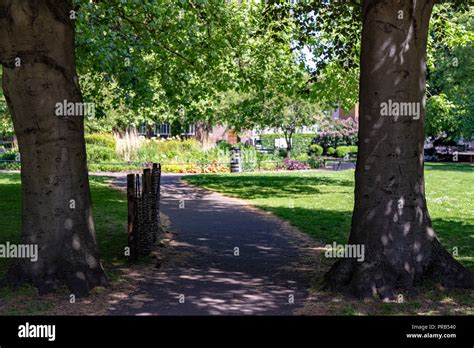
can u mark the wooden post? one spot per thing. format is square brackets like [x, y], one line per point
[146, 181]
[148, 207]
[155, 198]
[143, 210]
[131, 204]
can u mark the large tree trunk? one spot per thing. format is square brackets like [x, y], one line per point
[390, 216]
[289, 145]
[56, 204]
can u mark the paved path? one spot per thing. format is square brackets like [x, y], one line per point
[274, 267]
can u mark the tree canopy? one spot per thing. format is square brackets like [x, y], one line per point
[221, 61]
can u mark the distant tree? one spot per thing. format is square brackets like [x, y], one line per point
[450, 109]
[288, 115]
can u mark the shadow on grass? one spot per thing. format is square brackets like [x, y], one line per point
[110, 217]
[328, 226]
[266, 186]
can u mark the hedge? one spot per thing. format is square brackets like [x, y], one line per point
[101, 139]
[342, 150]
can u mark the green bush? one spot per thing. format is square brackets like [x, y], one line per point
[302, 158]
[341, 151]
[300, 142]
[353, 148]
[270, 165]
[9, 156]
[98, 153]
[316, 162]
[101, 139]
[267, 157]
[330, 151]
[171, 151]
[315, 150]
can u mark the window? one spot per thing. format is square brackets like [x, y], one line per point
[189, 130]
[164, 129]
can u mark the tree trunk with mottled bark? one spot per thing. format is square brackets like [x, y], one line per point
[390, 215]
[37, 53]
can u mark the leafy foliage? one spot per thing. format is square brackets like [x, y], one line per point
[341, 151]
[451, 74]
[301, 142]
[315, 150]
[337, 133]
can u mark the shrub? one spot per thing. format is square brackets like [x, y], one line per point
[169, 151]
[341, 151]
[302, 158]
[338, 133]
[97, 153]
[269, 166]
[223, 145]
[282, 153]
[9, 156]
[330, 151]
[315, 150]
[316, 162]
[267, 157]
[300, 142]
[101, 139]
[291, 164]
[353, 148]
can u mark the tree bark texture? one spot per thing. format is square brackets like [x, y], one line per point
[390, 216]
[37, 51]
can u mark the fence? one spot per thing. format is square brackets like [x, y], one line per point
[143, 196]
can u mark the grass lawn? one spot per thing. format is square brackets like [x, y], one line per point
[320, 203]
[110, 216]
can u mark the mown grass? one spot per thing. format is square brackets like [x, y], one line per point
[320, 203]
[110, 217]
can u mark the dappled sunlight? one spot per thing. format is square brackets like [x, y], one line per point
[211, 291]
[327, 214]
[271, 185]
[226, 258]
